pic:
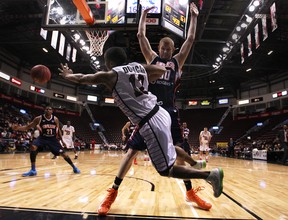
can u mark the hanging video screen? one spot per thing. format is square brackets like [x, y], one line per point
[175, 16]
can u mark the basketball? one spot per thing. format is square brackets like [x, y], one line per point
[40, 74]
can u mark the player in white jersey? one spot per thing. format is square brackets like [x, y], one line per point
[69, 137]
[129, 86]
[204, 140]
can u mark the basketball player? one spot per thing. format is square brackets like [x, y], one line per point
[129, 86]
[204, 140]
[165, 89]
[48, 125]
[186, 133]
[69, 137]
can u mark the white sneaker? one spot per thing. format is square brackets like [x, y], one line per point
[216, 180]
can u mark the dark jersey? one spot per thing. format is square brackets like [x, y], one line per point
[165, 87]
[48, 126]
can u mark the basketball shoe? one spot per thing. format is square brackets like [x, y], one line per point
[192, 197]
[216, 180]
[200, 164]
[76, 170]
[106, 203]
[30, 173]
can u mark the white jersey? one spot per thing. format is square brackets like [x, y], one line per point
[132, 97]
[68, 135]
[204, 140]
[131, 92]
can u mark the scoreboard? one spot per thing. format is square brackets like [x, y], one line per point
[117, 15]
[175, 16]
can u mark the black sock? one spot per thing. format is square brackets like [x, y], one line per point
[117, 183]
[33, 155]
[188, 184]
[69, 161]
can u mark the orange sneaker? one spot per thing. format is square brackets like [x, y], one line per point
[192, 197]
[135, 161]
[106, 203]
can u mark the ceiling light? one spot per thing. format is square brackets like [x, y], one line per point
[270, 52]
[249, 19]
[243, 25]
[238, 28]
[234, 36]
[221, 88]
[252, 8]
[248, 70]
[45, 50]
[225, 49]
[82, 42]
[77, 37]
[256, 3]
[218, 59]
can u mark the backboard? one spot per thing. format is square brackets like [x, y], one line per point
[115, 14]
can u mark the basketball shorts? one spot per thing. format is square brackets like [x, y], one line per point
[69, 142]
[204, 147]
[159, 140]
[51, 142]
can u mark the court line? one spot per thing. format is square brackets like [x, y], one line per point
[184, 194]
[241, 206]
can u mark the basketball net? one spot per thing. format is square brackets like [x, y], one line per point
[97, 40]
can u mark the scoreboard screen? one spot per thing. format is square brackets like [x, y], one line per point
[131, 6]
[175, 16]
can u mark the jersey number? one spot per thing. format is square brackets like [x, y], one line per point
[137, 90]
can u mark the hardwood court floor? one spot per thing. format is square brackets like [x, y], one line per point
[252, 189]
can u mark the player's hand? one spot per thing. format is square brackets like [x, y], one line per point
[64, 70]
[194, 9]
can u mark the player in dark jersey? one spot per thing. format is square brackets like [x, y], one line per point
[48, 125]
[186, 132]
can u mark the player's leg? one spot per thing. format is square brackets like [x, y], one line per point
[184, 155]
[56, 148]
[134, 144]
[33, 154]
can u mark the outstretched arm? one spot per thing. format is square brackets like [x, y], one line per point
[106, 78]
[33, 124]
[145, 46]
[187, 45]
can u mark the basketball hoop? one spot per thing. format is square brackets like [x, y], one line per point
[97, 40]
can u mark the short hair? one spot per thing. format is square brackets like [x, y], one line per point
[167, 40]
[116, 54]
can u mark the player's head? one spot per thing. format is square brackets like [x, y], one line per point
[48, 111]
[68, 123]
[205, 129]
[166, 48]
[115, 56]
[184, 125]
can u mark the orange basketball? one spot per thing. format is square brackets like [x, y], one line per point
[40, 74]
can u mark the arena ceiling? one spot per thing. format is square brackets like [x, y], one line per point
[20, 22]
